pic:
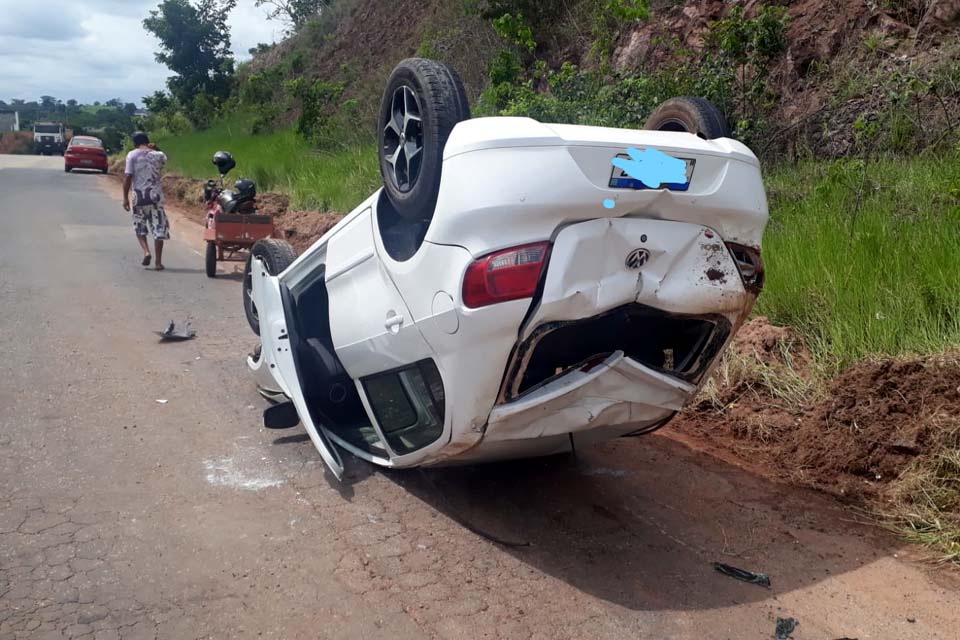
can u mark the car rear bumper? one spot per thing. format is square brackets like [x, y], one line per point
[610, 347]
[99, 164]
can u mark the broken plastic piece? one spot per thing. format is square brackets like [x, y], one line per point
[162, 401]
[785, 627]
[176, 334]
[761, 579]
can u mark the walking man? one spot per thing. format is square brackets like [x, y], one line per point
[143, 175]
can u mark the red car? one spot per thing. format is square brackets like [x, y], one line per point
[85, 152]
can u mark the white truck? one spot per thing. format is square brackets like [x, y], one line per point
[50, 138]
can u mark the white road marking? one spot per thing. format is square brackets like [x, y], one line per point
[83, 232]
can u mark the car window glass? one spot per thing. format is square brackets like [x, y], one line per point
[408, 405]
[85, 143]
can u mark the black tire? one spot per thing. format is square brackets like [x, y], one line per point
[66, 169]
[434, 93]
[698, 116]
[211, 259]
[277, 256]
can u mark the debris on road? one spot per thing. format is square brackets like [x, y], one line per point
[162, 401]
[761, 579]
[174, 334]
[785, 628]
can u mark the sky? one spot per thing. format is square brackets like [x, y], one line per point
[95, 50]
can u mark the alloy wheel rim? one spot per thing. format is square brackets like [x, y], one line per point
[403, 139]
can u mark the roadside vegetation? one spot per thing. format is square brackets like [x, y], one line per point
[862, 255]
[110, 121]
[863, 246]
[315, 179]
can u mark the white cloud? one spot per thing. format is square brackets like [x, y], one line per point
[36, 21]
[96, 49]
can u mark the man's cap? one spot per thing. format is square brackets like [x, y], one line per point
[140, 138]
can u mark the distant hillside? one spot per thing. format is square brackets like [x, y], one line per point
[827, 77]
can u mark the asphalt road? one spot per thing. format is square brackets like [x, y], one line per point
[125, 517]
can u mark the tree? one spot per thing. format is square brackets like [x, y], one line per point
[260, 49]
[48, 103]
[294, 13]
[195, 45]
[159, 102]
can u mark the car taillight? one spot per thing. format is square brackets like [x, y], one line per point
[505, 275]
[750, 265]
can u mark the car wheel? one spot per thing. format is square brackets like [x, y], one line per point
[276, 255]
[67, 169]
[423, 102]
[211, 259]
[698, 116]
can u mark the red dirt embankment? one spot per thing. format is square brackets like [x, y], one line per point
[16, 142]
[300, 228]
[871, 423]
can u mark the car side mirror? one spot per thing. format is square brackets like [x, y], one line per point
[224, 162]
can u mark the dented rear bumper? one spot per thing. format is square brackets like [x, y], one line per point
[617, 342]
[617, 391]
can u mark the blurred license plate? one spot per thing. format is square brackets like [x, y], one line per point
[86, 162]
[620, 180]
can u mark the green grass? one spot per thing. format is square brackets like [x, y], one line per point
[865, 259]
[334, 180]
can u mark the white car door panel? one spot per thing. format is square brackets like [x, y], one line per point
[277, 353]
[371, 327]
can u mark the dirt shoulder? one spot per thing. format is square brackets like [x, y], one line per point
[300, 228]
[883, 435]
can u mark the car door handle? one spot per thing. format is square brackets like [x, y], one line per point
[393, 321]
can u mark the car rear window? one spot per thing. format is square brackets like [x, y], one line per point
[409, 405]
[85, 143]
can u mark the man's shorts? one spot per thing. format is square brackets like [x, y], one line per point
[151, 219]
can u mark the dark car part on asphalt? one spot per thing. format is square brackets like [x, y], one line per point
[173, 333]
[785, 628]
[281, 416]
[423, 101]
[761, 579]
[693, 115]
[276, 255]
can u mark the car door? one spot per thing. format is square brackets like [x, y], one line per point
[380, 345]
[276, 338]
[371, 327]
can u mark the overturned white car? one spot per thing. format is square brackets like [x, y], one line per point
[516, 288]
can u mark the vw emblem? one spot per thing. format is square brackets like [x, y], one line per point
[637, 258]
